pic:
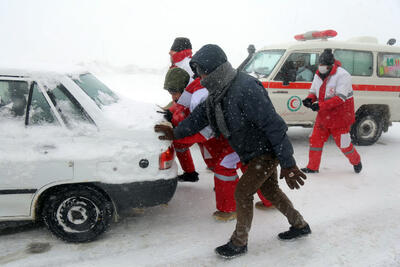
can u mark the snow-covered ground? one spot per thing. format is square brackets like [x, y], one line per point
[354, 217]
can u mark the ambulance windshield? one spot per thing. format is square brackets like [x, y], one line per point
[263, 62]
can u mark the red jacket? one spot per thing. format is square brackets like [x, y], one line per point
[335, 98]
[190, 98]
[179, 113]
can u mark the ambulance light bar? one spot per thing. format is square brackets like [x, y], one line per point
[312, 35]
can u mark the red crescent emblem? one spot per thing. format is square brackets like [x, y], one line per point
[292, 102]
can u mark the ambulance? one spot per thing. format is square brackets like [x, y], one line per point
[287, 71]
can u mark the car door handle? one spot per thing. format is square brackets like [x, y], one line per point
[280, 92]
[45, 148]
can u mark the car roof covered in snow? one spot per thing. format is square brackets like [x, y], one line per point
[359, 43]
[39, 69]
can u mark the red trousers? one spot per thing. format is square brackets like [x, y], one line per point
[342, 139]
[224, 162]
[184, 156]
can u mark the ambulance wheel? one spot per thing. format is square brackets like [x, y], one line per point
[367, 129]
[77, 213]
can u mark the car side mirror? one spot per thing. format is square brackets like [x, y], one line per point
[251, 50]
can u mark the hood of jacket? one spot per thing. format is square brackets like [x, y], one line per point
[208, 58]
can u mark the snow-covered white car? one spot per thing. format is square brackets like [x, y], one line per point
[74, 154]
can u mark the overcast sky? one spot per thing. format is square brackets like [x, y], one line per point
[141, 32]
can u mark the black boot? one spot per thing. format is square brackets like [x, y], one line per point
[229, 250]
[307, 170]
[358, 167]
[295, 233]
[188, 177]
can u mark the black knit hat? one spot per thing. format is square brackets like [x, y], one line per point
[207, 59]
[181, 43]
[176, 80]
[327, 58]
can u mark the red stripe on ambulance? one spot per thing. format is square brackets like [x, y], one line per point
[356, 87]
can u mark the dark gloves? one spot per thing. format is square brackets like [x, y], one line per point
[167, 130]
[293, 176]
[307, 102]
[167, 114]
[315, 106]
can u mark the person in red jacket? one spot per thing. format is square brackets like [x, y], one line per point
[216, 152]
[331, 95]
[180, 55]
[175, 82]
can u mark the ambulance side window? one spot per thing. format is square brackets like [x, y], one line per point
[388, 65]
[357, 63]
[301, 65]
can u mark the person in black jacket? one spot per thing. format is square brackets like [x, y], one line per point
[239, 108]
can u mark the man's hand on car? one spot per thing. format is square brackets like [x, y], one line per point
[167, 130]
[293, 176]
[315, 106]
[307, 102]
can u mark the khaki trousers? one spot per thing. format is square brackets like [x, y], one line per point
[261, 174]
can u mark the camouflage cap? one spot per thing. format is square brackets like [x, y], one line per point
[176, 80]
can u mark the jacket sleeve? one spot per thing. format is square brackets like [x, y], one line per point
[331, 103]
[193, 124]
[192, 139]
[313, 97]
[259, 110]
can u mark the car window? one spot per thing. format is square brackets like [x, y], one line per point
[304, 65]
[13, 98]
[40, 111]
[388, 65]
[263, 62]
[69, 108]
[357, 63]
[96, 90]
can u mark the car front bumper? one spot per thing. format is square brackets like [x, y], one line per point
[141, 194]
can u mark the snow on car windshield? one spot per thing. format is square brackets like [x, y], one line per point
[96, 90]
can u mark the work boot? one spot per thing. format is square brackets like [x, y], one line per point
[307, 170]
[229, 250]
[260, 205]
[358, 167]
[188, 177]
[224, 216]
[295, 233]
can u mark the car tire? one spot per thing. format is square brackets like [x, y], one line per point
[367, 129]
[77, 213]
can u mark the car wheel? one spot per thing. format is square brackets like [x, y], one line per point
[367, 129]
[77, 213]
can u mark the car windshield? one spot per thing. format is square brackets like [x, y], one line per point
[96, 90]
[263, 62]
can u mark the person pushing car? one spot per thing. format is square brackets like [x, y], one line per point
[238, 107]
